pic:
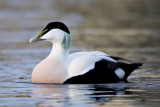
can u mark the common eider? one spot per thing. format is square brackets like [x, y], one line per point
[93, 67]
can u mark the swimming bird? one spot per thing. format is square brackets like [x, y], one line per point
[79, 67]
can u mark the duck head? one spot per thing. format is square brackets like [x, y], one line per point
[55, 32]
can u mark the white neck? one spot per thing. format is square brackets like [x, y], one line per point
[61, 44]
[58, 51]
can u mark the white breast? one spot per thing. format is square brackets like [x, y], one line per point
[50, 70]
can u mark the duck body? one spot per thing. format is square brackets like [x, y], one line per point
[76, 68]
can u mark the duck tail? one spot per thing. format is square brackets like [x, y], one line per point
[129, 68]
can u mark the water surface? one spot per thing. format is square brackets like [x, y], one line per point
[129, 29]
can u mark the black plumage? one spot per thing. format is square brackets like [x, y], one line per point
[103, 72]
[56, 25]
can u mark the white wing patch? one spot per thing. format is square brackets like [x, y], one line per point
[120, 73]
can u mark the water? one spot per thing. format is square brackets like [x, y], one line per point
[129, 29]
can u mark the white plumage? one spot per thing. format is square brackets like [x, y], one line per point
[82, 62]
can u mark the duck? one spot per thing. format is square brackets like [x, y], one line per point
[88, 67]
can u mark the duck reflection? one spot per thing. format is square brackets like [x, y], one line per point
[50, 94]
[97, 93]
[49, 89]
[103, 93]
[58, 94]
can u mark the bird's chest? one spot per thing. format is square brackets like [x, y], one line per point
[50, 70]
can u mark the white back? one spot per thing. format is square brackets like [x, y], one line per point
[82, 62]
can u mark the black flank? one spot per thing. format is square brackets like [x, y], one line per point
[104, 73]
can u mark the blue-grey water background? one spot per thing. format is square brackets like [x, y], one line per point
[125, 28]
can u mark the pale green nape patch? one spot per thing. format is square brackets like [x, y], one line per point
[66, 41]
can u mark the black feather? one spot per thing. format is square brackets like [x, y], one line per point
[119, 58]
[129, 68]
[104, 73]
[56, 25]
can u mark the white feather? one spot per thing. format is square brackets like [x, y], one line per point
[82, 62]
[120, 73]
